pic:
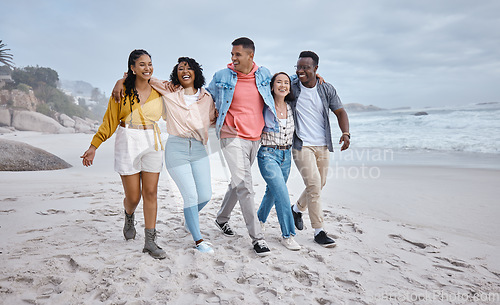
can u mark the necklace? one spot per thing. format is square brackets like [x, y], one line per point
[282, 110]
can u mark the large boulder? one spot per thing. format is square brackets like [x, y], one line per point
[6, 130]
[66, 121]
[19, 99]
[356, 107]
[5, 117]
[18, 156]
[82, 125]
[34, 121]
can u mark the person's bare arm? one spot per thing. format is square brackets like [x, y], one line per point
[343, 121]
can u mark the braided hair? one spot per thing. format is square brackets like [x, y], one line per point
[129, 83]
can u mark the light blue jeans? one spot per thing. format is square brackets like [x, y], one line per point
[274, 165]
[187, 163]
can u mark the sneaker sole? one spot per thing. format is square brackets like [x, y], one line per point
[291, 248]
[327, 245]
[263, 253]
[209, 252]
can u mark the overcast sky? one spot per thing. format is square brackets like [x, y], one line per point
[388, 53]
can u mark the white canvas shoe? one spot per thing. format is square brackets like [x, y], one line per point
[290, 243]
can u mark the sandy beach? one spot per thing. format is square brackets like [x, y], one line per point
[406, 234]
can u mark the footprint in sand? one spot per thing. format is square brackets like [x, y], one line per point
[9, 199]
[266, 295]
[418, 244]
[51, 212]
[349, 285]
[306, 277]
[5, 212]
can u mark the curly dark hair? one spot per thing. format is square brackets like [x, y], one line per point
[129, 82]
[289, 97]
[199, 79]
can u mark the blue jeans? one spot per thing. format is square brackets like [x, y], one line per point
[187, 163]
[274, 165]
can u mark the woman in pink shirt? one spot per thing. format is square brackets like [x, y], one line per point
[190, 111]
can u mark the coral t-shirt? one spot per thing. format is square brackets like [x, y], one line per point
[245, 118]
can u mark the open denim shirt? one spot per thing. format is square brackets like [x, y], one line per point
[222, 89]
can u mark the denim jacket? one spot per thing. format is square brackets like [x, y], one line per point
[330, 99]
[222, 89]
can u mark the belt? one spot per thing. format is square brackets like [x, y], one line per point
[154, 126]
[280, 147]
[144, 127]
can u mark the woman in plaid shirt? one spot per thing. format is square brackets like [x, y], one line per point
[274, 159]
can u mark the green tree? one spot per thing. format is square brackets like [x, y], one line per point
[36, 76]
[5, 70]
[5, 57]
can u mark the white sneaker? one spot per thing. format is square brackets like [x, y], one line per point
[204, 247]
[290, 243]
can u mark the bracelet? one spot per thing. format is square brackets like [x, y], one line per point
[347, 134]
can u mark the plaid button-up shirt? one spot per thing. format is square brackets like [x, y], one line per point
[285, 134]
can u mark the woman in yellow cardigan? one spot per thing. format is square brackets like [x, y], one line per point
[138, 148]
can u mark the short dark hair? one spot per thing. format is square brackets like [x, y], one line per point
[247, 43]
[199, 79]
[289, 97]
[310, 54]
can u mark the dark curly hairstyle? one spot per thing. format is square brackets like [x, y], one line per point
[129, 83]
[199, 79]
[289, 97]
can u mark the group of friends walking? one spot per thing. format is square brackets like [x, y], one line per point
[256, 115]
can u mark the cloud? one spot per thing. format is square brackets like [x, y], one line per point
[387, 53]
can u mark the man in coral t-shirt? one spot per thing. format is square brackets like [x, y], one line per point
[242, 96]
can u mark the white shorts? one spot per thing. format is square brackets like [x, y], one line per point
[135, 152]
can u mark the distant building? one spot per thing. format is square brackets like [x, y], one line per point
[4, 79]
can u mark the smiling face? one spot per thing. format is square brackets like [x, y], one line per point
[281, 86]
[143, 67]
[242, 59]
[306, 71]
[185, 74]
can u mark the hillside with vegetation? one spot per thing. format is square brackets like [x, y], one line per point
[51, 100]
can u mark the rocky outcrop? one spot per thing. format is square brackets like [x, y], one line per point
[18, 156]
[19, 99]
[66, 121]
[28, 120]
[6, 130]
[33, 121]
[82, 125]
[5, 117]
[420, 113]
[355, 107]
[17, 109]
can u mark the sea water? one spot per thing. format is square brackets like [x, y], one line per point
[467, 135]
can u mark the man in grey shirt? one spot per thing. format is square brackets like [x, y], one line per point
[312, 140]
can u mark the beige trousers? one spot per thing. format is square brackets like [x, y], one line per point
[312, 163]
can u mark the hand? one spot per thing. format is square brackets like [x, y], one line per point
[170, 86]
[118, 89]
[347, 141]
[321, 80]
[88, 156]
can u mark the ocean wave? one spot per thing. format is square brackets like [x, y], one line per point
[469, 128]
